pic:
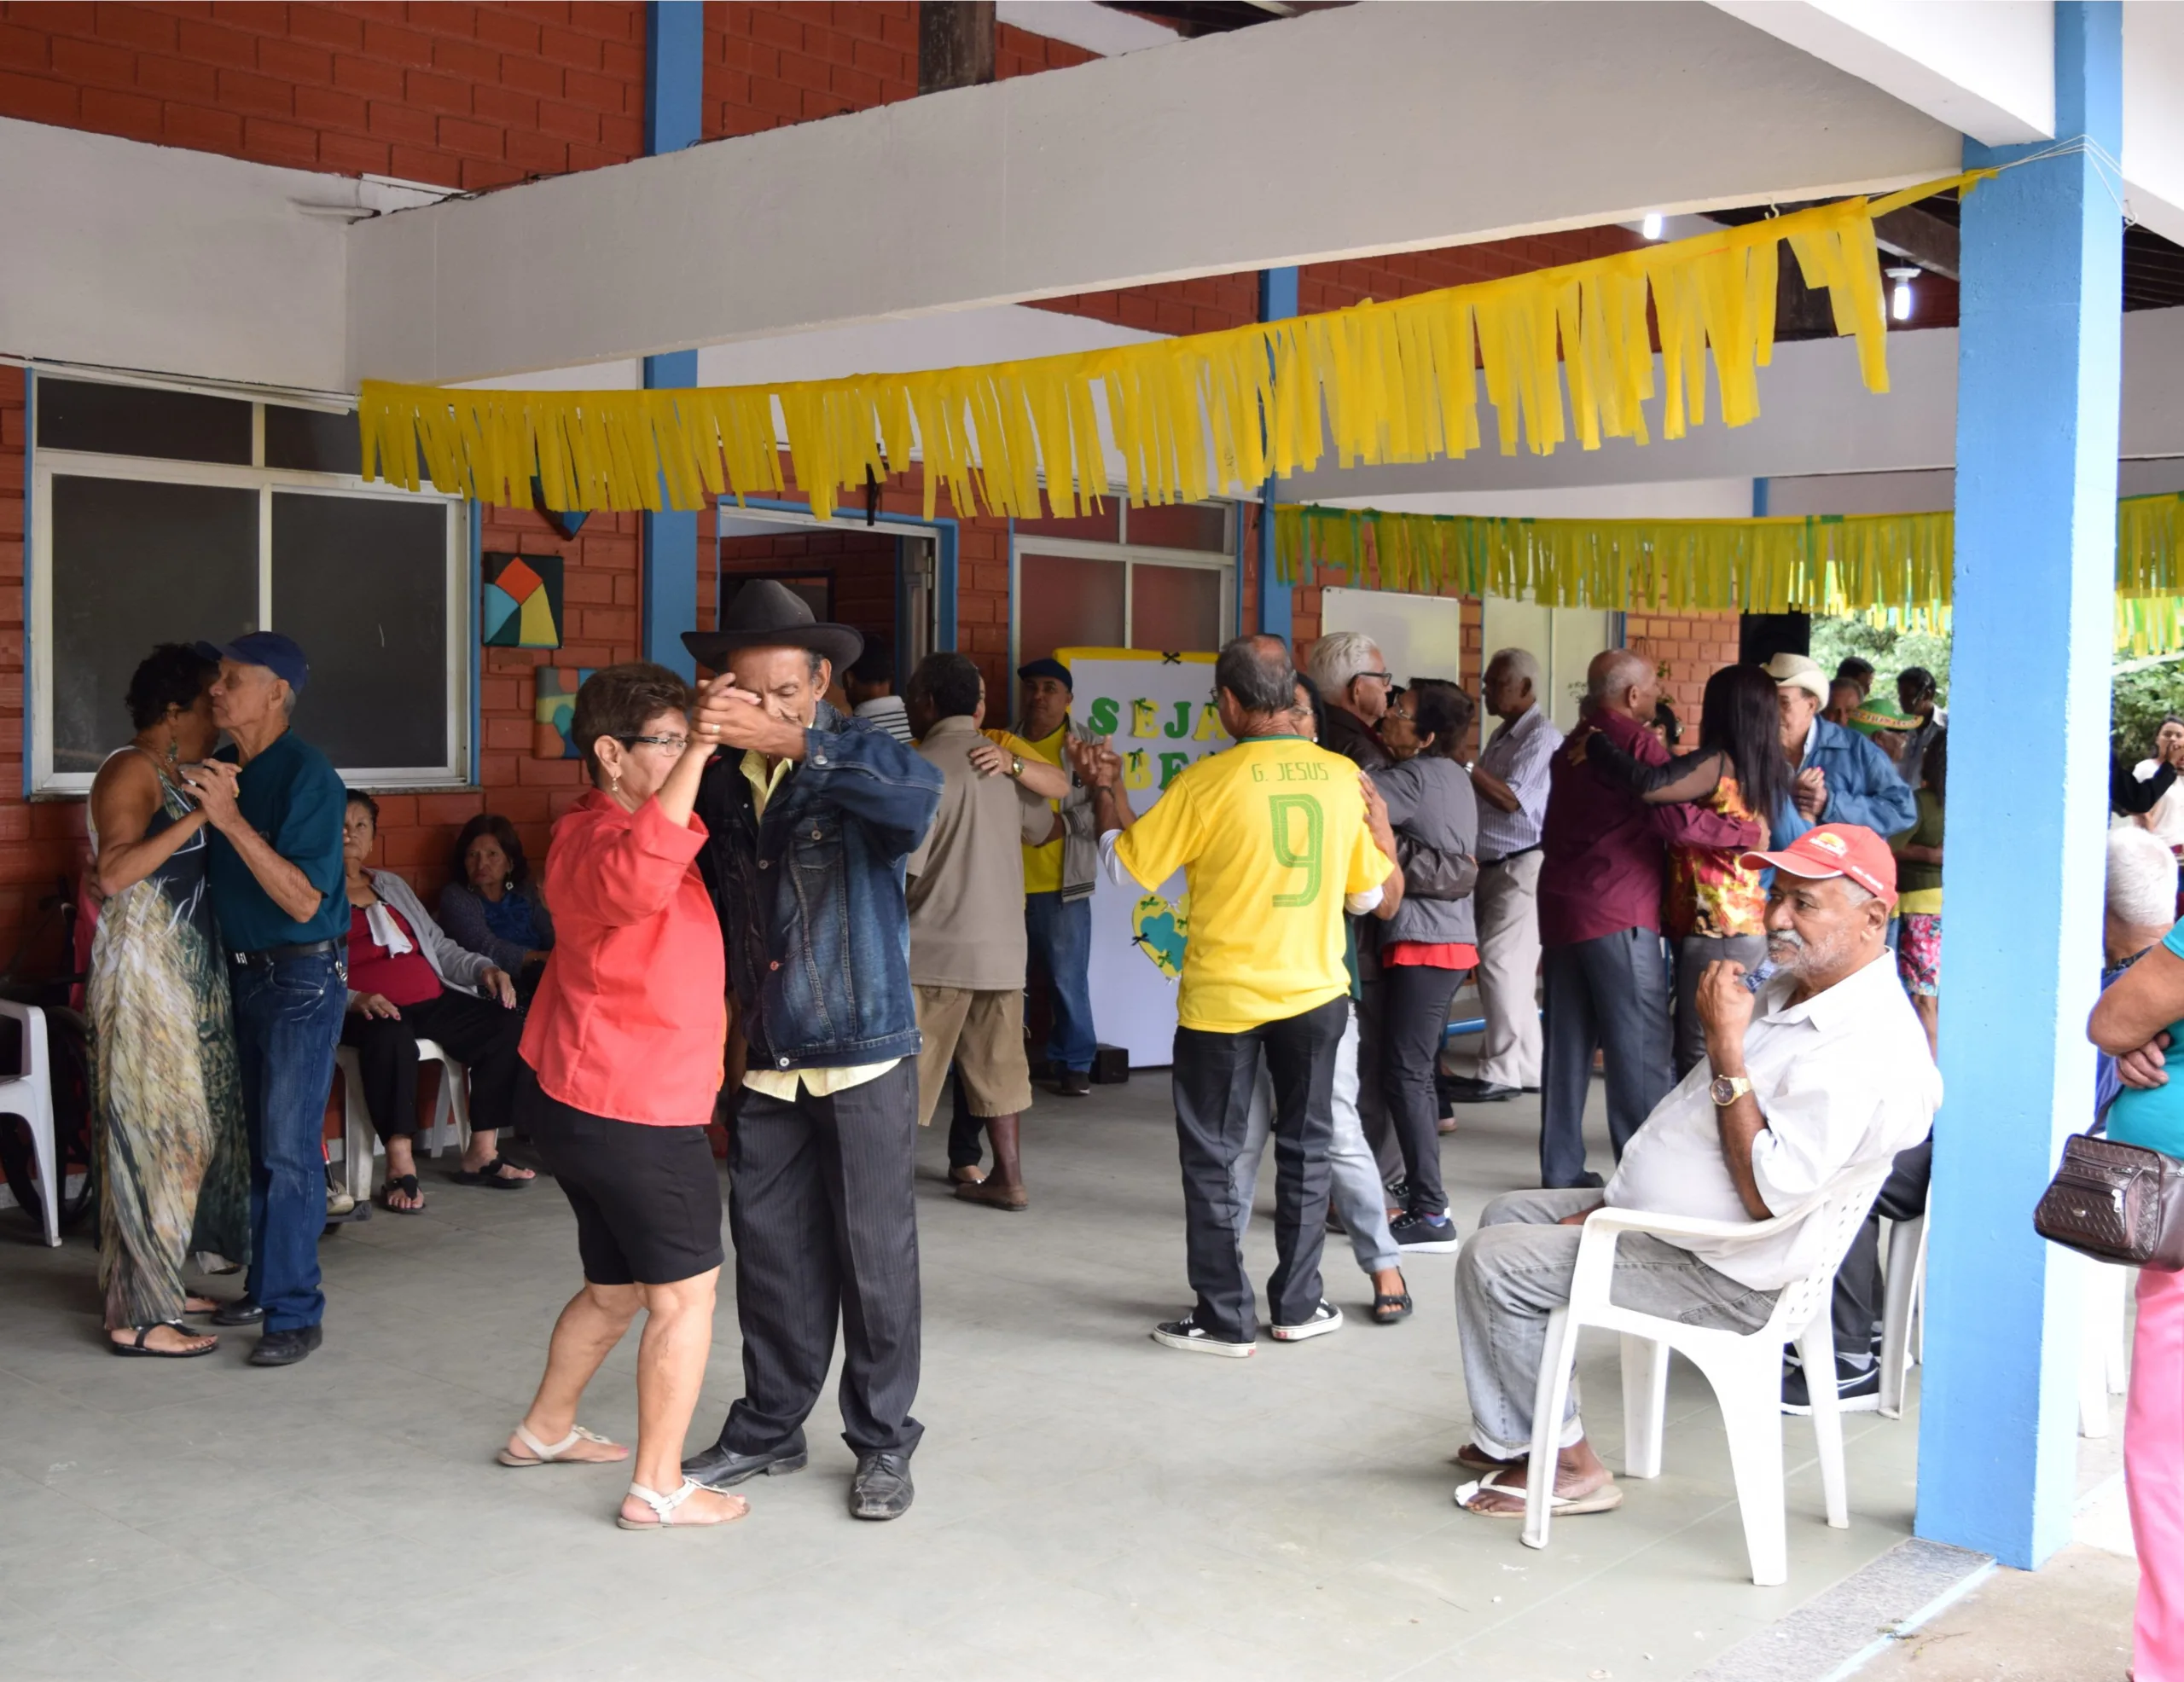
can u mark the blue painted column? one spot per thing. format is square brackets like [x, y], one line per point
[1277, 303]
[2038, 387]
[674, 81]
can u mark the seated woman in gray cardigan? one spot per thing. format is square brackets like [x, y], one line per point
[492, 906]
[409, 981]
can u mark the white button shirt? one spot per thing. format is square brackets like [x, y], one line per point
[1842, 1079]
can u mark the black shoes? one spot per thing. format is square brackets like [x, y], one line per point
[881, 1488]
[1464, 1089]
[240, 1311]
[723, 1468]
[1070, 1083]
[285, 1348]
[1426, 1235]
[1857, 1390]
[1188, 1334]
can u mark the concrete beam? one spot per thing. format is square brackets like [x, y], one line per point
[1160, 165]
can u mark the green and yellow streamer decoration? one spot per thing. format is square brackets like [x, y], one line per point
[1191, 416]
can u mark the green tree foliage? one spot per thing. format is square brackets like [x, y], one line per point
[1835, 640]
[2141, 700]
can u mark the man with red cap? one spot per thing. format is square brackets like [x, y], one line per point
[1815, 1064]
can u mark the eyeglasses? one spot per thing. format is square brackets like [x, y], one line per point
[673, 743]
[1382, 676]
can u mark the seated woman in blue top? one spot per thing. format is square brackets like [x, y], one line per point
[493, 906]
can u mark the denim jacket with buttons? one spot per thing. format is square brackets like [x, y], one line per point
[811, 896]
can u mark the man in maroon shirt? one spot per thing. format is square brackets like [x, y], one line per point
[1599, 921]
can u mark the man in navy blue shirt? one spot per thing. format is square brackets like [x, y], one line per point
[274, 804]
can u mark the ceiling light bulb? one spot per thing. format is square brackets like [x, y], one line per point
[1899, 300]
[1652, 225]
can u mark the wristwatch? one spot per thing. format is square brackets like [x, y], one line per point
[1016, 767]
[1727, 1089]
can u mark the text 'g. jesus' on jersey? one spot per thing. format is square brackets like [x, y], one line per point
[1271, 838]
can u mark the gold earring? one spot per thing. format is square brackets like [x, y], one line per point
[613, 782]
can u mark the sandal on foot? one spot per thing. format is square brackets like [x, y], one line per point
[142, 1347]
[548, 1453]
[664, 1507]
[489, 1174]
[1510, 1481]
[1388, 1308]
[407, 1185]
[1471, 1458]
[993, 1195]
[965, 1173]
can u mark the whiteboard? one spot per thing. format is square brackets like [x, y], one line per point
[1419, 636]
[1562, 640]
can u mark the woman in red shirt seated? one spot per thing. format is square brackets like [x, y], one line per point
[621, 1060]
[409, 981]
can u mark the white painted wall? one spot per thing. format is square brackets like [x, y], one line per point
[2153, 114]
[1317, 137]
[1097, 29]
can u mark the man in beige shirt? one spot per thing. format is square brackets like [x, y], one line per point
[965, 897]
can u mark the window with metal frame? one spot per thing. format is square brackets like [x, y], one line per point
[1138, 593]
[160, 514]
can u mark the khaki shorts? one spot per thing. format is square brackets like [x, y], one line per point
[982, 1034]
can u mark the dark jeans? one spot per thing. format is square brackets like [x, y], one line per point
[288, 1020]
[1415, 1003]
[1372, 1099]
[1858, 1299]
[478, 1034]
[822, 1207]
[1061, 936]
[1214, 1075]
[1610, 994]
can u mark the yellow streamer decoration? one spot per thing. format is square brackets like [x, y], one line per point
[1191, 416]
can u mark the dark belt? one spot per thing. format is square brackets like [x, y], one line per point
[1488, 864]
[273, 954]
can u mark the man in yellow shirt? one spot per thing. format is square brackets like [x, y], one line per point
[1058, 874]
[1276, 837]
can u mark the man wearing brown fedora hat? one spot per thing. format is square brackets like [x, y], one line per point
[809, 816]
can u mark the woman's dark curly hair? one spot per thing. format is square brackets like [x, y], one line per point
[619, 701]
[492, 824]
[174, 675]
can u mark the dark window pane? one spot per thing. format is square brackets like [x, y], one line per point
[310, 441]
[134, 420]
[1064, 602]
[360, 584]
[1181, 525]
[1175, 609]
[135, 565]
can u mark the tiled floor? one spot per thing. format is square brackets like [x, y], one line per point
[1089, 1505]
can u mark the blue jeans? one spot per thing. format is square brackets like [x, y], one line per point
[287, 1022]
[1060, 935]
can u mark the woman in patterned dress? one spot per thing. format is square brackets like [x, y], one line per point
[173, 1167]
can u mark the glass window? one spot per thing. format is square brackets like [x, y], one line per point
[1180, 525]
[311, 441]
[1176, 609]
[138, 421]
[1067, 601]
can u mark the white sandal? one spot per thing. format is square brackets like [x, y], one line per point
[664, 1508]
[547, 1454]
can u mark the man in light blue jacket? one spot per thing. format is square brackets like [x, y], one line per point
[1841, 777]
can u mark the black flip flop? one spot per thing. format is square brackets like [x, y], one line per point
[490, 1175]
[407, 1185]
[1388, 1310]
[140, 1348]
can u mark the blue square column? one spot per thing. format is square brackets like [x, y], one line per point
[2038, 390]
[1277, 303]
[674, 83]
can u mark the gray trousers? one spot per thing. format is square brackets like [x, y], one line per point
[1611, 994]
[1372, 1097]
[1355, 1189]
[1515, 1271]
[1508, 903]
[1692, 955]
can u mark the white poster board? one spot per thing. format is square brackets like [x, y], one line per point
[1158, 712]
[1418, 636]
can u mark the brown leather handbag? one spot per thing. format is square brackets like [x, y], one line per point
[2115, 1203]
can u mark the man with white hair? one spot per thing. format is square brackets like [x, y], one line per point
[1824, 1069]
[1511, 781]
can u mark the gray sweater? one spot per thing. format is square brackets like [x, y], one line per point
[1429, 800]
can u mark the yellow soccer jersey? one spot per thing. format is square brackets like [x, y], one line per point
[1042, 864]
[1270, 836]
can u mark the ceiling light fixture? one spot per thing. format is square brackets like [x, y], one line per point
[1651, 227]
[1899, 300]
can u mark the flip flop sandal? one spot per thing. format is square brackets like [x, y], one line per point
[407, 1185]
[1471, 1458]
[141, 1347]
[962, 1174]
[1510, 1481]
[490, 1175]
[1388, 1308]
[551, 1453]
[664, 1509]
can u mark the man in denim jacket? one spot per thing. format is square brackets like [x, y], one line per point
[809, 816]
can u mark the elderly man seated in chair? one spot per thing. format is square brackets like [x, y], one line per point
[1818, 1068]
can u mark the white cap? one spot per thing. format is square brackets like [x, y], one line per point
[1799, 672]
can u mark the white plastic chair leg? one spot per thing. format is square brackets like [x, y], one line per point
[1548, 1402]
[358, 1137]
[1817, 1348]
[1644, 1404]
[1752, 1409]
[1903, 1309]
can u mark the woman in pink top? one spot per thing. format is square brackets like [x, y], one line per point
[621, 1059]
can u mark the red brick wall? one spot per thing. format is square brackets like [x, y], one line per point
[458, 94]
[862, 562]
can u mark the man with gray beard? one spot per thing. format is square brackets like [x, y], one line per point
[1815, 1065]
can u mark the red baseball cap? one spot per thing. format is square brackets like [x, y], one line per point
[1836, 849]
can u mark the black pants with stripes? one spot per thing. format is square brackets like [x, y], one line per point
[823, 1210]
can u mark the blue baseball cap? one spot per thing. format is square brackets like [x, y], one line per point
[278, 654]
[1047, 667]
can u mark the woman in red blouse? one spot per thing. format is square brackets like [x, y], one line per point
[621, 1057]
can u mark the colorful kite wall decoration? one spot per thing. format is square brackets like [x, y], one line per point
[521, 605]
[553, 711]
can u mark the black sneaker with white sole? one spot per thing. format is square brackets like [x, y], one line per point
[1427, 1234]
[1188, 1334]
[1323, 1320]
[1857, 1390]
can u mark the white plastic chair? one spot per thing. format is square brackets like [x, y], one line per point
[360, 1140]
[2103, 1352]
[1903, 1313]
[30, 1095]
[1745, 1369]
